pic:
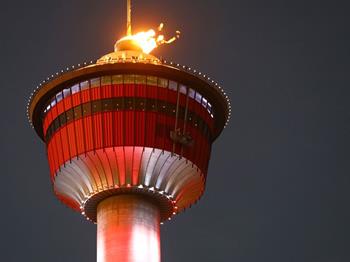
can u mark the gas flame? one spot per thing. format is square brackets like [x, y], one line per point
[151, 39]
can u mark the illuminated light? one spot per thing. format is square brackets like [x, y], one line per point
[174, 213]
[148, 40]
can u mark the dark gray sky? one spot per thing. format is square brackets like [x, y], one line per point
[278, 183]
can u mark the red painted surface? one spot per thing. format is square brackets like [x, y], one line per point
[87, 134]
[125, 128]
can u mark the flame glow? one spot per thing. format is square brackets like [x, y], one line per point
[151, 39]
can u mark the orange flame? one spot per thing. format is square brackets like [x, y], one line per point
[151, 39]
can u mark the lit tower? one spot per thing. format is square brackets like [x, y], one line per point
[128, 140]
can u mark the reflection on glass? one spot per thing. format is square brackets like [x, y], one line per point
[117, 79]
[162, 82]
[66, 92]
[140, 79]
[191, 93]
[198, 97]
[75, 89]
[204, 102]
[59, 97]
[183, 89]
[152, 80]
[95, 82]
[129, 79]
[84, 85]
[173, 85]
[106, 80]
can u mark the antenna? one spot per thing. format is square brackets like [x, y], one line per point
[128, 19]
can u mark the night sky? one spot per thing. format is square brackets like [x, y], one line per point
[278, 182]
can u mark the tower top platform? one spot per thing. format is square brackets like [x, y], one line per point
[129, 62]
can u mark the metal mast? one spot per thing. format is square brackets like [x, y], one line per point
[128, 19]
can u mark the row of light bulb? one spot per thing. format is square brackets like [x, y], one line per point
[188, 69]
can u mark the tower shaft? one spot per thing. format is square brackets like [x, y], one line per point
[128, 230]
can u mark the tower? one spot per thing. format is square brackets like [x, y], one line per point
[128, 140]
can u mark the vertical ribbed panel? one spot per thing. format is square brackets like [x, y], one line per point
[101, 170]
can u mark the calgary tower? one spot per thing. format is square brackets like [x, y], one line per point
[128, 140]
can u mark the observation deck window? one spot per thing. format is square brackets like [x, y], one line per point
[66, 92]
[183, 89]
[191, 93]
[173, 85]
[152, 80]
[117, 79]
[198, 97]
[140, 79]
[95, 82]
[131, 79]
[106, 80]
[75, 89]
[163, 82]
[59, 97]
[84, 85]
[204, 102]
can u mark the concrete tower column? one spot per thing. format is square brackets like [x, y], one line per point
[128, 230]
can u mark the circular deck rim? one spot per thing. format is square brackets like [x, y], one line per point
[42, 95]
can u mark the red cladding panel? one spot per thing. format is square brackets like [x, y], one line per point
[82, 136]
[149, 128]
